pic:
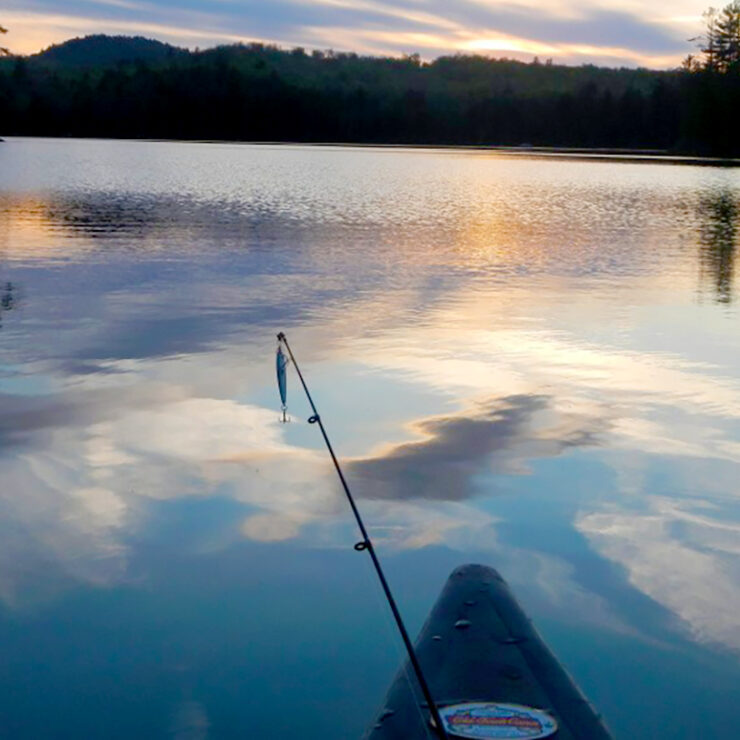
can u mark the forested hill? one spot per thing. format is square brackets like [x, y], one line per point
[101, 51]
[133, 87]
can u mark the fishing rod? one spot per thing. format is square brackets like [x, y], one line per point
[366, 543]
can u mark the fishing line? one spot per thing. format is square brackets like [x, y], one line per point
[365, 543]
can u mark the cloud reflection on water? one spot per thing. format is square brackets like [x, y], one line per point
[78, 489]
[647, 411]
[497, 433]
[104, 453]
[492, 286]
[679, 555]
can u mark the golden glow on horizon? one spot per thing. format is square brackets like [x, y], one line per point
[437, 34]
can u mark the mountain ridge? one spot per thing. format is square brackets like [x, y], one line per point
[104, 50]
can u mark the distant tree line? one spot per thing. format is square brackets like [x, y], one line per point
[118, 87]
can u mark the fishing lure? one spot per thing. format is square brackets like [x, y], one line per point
[282, 363]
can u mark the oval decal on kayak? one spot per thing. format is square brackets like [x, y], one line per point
[495, 720]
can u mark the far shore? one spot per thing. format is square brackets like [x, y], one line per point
[595, 153]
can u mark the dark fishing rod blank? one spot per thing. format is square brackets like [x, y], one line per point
[367, 544]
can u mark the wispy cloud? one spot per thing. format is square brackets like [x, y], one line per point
[617, 32]
[680, 557]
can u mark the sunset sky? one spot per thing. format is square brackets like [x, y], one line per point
[607, 32]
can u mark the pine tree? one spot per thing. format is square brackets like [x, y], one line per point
[710, 40]
[728, 37]
[720, 43]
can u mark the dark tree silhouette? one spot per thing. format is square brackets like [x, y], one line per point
[711, 88]
[728, 37]
[137, 88]
[720, 42]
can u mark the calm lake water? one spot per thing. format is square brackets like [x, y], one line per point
[527, 362]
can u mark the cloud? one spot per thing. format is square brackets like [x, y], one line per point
[56, 526]
[683, 559]
[572, 32]
[86, 480]
[25, 416]
[498, 434]
[89, 469]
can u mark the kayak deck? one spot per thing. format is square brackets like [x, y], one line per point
[478, 645]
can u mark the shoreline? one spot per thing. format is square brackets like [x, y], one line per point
[611, 154]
